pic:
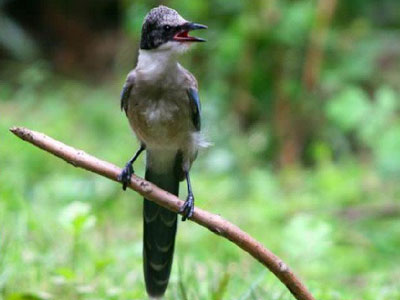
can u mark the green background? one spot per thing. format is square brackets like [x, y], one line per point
[301, 102]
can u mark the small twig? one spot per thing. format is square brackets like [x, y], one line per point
[213, 222]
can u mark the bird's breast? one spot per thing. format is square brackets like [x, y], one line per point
[160, 121]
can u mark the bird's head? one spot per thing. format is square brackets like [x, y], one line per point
[165, 30]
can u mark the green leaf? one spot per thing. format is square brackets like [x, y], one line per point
[349, 109]
[388, 150]
[25, 296]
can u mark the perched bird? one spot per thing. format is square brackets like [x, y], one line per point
[161, 101]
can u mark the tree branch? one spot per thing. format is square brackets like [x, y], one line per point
[215, 223]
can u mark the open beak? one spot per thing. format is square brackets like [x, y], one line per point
[183, 34]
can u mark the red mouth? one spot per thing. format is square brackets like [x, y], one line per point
[183, 36]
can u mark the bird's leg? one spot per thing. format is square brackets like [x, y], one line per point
[188, 207]
[127, 171]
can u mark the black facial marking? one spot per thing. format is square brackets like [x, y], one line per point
[154, 35]
[159, 27]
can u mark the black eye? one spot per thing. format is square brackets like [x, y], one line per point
[167, 27]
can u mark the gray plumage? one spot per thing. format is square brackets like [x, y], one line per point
[163, 112]
[160, 99]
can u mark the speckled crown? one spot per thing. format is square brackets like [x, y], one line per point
[163, 14]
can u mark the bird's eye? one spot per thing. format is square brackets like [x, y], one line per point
[167, 27]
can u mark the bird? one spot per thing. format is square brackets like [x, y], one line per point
[161, 101]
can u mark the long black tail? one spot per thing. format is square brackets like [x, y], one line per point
[159, 234]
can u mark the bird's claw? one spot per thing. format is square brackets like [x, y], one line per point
[187, 208]
[125, 176]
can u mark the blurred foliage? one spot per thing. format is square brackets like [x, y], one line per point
[301, 101]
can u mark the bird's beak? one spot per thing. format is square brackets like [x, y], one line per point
[183, 34]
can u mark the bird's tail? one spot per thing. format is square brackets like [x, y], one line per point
[159, 231]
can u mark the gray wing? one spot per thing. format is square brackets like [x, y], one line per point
[195, 107]
[126, 91]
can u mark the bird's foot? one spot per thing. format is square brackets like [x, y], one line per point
[125, 176]
[187, 208]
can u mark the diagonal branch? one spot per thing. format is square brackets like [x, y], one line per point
[215, 223]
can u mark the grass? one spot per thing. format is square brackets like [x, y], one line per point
[68, 234]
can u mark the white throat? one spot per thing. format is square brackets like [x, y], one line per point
[157, 62]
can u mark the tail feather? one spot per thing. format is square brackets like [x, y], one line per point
[159, 235]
